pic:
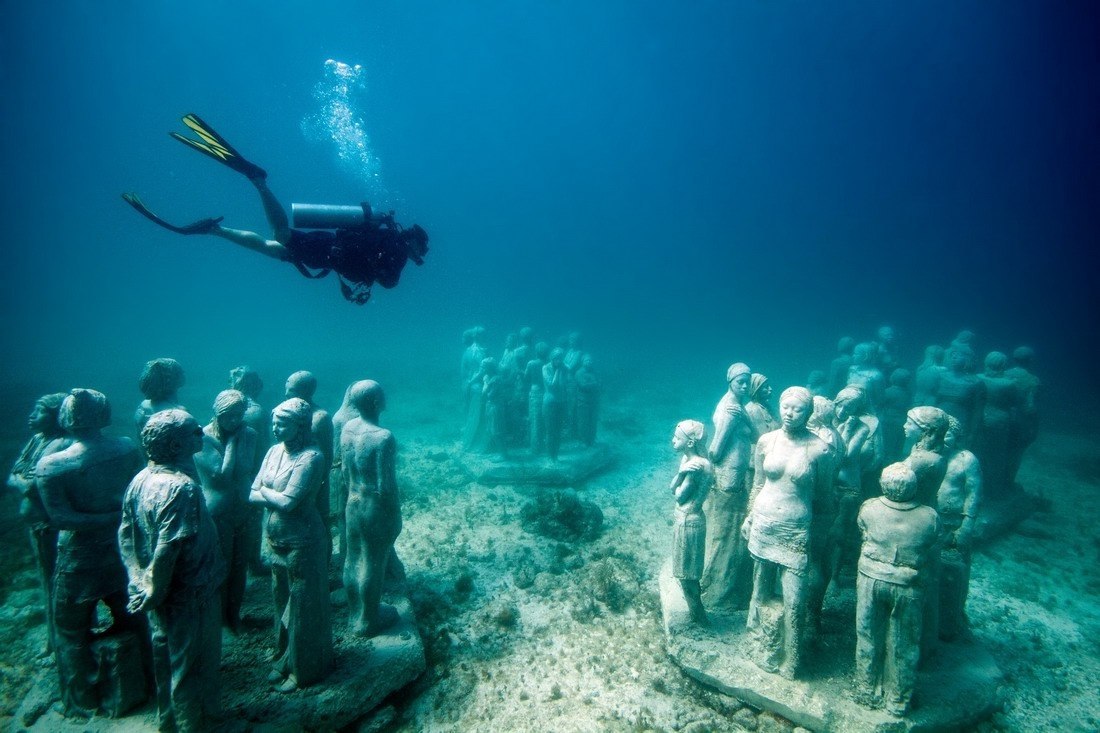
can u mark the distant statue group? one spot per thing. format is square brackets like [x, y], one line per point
[167, 547]
[866, 476]
[531, 399]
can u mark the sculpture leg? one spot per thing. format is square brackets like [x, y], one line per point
[280, 590]
[795, 617]
[44, 545]
[870, 640]
[75, 666]
[231, 536]
[728, 569]
[553, 414]
[953, 589]
[186, 656]
[903, 644]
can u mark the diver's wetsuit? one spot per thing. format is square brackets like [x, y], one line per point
[360, 255]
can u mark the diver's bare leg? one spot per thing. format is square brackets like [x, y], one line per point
[273, 210]
[252, 241]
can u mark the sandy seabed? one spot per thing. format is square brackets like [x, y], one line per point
[527, 633]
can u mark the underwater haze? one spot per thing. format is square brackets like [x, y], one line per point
[687, 184]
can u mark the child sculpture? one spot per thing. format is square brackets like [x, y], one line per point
[689, 527]
[899, 544]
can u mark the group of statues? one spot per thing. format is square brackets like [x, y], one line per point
[533, 397]
[874, 487]
[164, 535]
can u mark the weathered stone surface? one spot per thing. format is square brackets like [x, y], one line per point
[574, 465]
[956, 689]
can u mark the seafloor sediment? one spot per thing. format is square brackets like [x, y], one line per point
[528, 633]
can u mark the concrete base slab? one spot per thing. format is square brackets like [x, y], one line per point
[956, 688]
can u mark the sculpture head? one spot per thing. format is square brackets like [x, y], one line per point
[845, 345]
[301, 384]
[171, 437]
[901, 377]
[850, 402]
[959, 358]
[822, 413]
[795, 406]
[933, 354]
[925, 427]
[291, 423]
[161, 379]
[864, 354]
[574, 340]
[527, 335]
[368, 399]
[899, 483]
[542, 350]
[759, 388]
[44, 418]
[952, 439]
[586, 361]
[489, 365]
[229, 409]
[816, 380]
[886, 335]
[84, 410]
[688, 436]
[1022, 356]
[557, 356]
[964, 338]
[739, 379]
[510, 341]
[995, 363]
[477, 333]
[246, 380]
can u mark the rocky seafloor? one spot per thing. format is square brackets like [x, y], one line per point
[533, 624]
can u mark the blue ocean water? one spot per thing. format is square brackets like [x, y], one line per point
[687, 184]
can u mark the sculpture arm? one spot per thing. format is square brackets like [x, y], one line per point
[387, 468]
[304, 479]
[153, 584]
[965, 532]
[61, 512]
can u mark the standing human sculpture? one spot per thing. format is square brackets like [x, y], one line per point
[957, 502]
[247, 381]
[689, 487]
[287, 485]
[900, 538]
[532, 378]
[368, 457]
[960, 393]
[303, 385]
[554, 377]
[588, 401]
[169, 543]
[48, 438]
[792, 466]
[160, 382]
[927, 379]
[865, 373]
[854, 462]
[999, 417]
[82, 488]
[226, 465]
[727, 573]
[1026, 427]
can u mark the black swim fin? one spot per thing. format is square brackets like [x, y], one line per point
[217, 147]
[202, 226]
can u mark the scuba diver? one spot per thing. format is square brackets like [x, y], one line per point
[362, 247]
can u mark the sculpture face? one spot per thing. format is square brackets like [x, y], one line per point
[284, 429]
[912, 430]
[41, 418]
[886, 335]
[740, 386]
[679, 442]
[193, 432]
[793, 413]
[231, 420]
